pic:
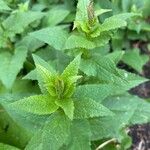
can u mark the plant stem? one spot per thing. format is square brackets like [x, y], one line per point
[106, 143]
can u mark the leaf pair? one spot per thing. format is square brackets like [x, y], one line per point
[56, 90]
[87, 21]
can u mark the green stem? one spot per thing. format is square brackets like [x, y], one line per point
[106, 143]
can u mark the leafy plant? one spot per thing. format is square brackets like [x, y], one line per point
[61, 87]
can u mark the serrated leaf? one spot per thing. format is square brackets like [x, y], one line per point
[104, 127]
[132, 109]
[82, 14]
[88, 108]
[53, 135]
[35, 142]
[81, 133]
[31, 122]
[55, 16]
[110, 128]
[108, 73]
[77, 41]
[3, 6]
[116, 56]
[72, 69]
[97, 92]
[116, 21]
[56, 132]
[134, 59]
[23, 19]
[30, 42]
[68, 107]
[7, 147]
[102, 11]
[38, 104]
[102, 39]
[11, 65]
[103, 68]
[38, 61]
[54, 36]
[43, 73]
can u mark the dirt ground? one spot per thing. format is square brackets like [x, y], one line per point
[141, 133]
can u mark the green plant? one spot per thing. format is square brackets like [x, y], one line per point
[62, 89]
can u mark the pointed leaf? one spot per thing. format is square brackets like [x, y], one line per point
[78, 41]
[54, 36]
[102, 11]
[82, 14]
[40, 61]
[97, 92]
[88, 108]
[72, 68]
[39, 104]
[23, 19]
[3, 6]
[56, 15]
[11, 65]
[131, 58]
[116, 21]
[68, 106]
[44, 73]
[80, 136]
[56, 132]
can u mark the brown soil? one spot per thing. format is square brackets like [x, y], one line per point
[141, 133]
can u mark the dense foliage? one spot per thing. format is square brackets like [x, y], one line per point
[60, 84]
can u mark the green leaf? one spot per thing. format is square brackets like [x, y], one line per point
[82, 14]
[109, 128]
[23, 19]
[7, 147]
[132, 109]
[104, 127]
[55, 16]
[11, 132]
[88, 108]
[135, 60]
[53, 135]
[97, 92]
[80, 136]
[11, 65]
[31, 43]
[68, 107]
[27, 120]
[38, 104]
[78, 41]
[3, 6]
[72, 69]
[116, 56]
[54, 36]
[56, 132]
[39, 61]
[45, 79]
[102, 11]
[103, 68]
[44, 73]
[108, 73]
[116, 21]
[35, 142]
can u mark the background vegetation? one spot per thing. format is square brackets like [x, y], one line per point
[66, 70]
